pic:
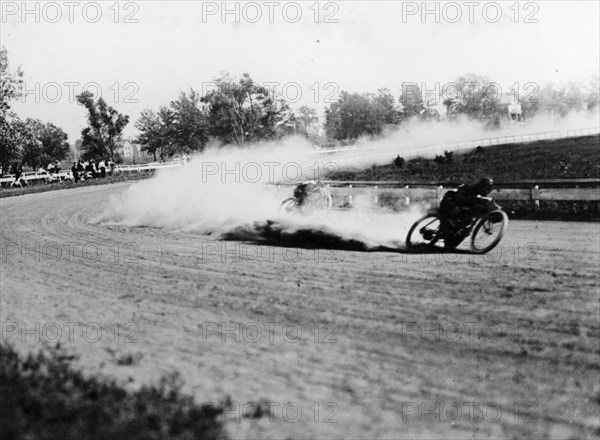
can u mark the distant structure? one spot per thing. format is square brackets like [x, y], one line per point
[130, 151]
[515, 113]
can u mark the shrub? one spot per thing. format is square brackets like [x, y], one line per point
[448, 156]
[43, 397]
[399, 161]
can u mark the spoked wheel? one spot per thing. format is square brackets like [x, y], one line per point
[288, 206]
[488, 232]
[424, 233]
[319, 199]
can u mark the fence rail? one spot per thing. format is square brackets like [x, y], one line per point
[67, 175]
[428, 193]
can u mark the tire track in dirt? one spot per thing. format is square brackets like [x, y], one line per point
[394, 329]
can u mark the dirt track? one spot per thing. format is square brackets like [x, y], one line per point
[505, 346]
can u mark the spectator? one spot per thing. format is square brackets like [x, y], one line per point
[50, 168]
[75, 172]
[93, 169]
[19, 180]
[102, 167]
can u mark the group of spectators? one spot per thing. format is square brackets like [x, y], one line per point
[91, 169]
[52, 173]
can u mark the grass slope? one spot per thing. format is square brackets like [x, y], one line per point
[573, 158]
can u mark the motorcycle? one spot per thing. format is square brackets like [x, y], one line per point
[486, 228]
[307, 199]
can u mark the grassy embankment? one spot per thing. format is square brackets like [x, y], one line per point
[573, 158]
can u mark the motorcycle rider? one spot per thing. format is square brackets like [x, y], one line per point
[466, 201]
[303, 190]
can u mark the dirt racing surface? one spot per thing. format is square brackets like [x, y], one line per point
[299, 342]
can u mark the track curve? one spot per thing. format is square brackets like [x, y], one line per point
[351, 344]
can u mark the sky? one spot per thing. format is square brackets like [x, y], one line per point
[142, 54]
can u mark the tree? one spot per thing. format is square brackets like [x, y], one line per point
[54, 144]
[305, 120]
[42, 143]
[31, 143]
[185, 124]
[399, 161]
[10, 83]
[10, 90]
[382, 112]
[411, 102]
[105, 127]
[180, 128]
[153, 131]
[475, 96]
[354, 115]
[243, 111]
[560, 99]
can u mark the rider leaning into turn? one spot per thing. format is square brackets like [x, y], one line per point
[466, 200]
[304, 189]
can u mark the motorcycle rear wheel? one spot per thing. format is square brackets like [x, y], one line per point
[424, 233]
[288, 206]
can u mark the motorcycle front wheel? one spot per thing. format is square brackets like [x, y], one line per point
[488, 232]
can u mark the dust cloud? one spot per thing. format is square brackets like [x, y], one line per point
[235, 192]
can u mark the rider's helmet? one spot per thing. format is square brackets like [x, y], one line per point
[486, 185]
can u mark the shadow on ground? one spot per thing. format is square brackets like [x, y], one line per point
[273, 233]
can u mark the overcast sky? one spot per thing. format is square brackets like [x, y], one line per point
[142, 54]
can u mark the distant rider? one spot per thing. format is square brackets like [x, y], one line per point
[303, 190]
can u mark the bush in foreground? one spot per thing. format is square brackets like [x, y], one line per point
[43, 397]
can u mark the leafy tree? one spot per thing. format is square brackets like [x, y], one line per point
[411, 102]
[105, 128]
[348, 118]
[185, 124]
[399, 161]
[592, 92]
[31, 143]
[354, 115]
[383, 111]
[42, 143]
[10, 83]
[474, 96]
[151, 132]
[10, 90]
[243, 111]
[180, 128]
[305, 120]
[560, 99]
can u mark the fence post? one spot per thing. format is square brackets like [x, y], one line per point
[536, 202]
[406, 196]
[350, 195]
[376, 195]
[439, 194]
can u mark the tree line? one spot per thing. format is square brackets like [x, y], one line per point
[241, 111]
[472, 96]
